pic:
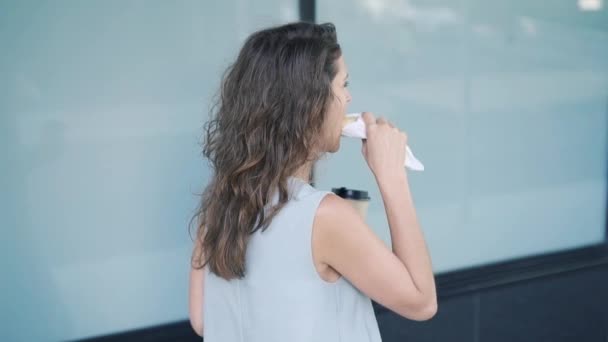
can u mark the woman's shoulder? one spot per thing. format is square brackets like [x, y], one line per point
[301, 189]
[331, 204]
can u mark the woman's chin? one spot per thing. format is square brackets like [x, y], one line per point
[336, 147]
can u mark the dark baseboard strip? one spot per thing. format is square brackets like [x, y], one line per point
[515, 271]
[478, 279]
[178, 331]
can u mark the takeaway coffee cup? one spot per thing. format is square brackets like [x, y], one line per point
[359, 199]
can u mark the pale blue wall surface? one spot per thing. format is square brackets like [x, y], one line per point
[506, 104]
[102, 104]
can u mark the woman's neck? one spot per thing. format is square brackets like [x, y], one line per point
[304, 172]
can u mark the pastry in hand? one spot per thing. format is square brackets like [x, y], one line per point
[349, 119]
[354, 127]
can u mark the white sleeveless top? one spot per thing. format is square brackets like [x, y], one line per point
[282, 297]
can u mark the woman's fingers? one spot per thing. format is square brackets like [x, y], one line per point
[382, 120]
[369, 118]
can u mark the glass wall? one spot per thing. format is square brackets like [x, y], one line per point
[102, 105]
[505, 103]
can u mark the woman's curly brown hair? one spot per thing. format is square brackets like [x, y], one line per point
[266, 124]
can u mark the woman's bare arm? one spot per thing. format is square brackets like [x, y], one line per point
[196, 296]
[402, 279]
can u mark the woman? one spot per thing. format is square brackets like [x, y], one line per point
[276, 259]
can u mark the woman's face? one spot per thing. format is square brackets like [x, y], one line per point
[337, 108]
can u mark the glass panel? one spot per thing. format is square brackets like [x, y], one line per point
[505, 103]
[103, 104]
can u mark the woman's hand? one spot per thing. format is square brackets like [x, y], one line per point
[384, 148]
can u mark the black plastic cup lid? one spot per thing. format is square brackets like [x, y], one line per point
[351, 194]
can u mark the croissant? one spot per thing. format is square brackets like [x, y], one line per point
[348, 119]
